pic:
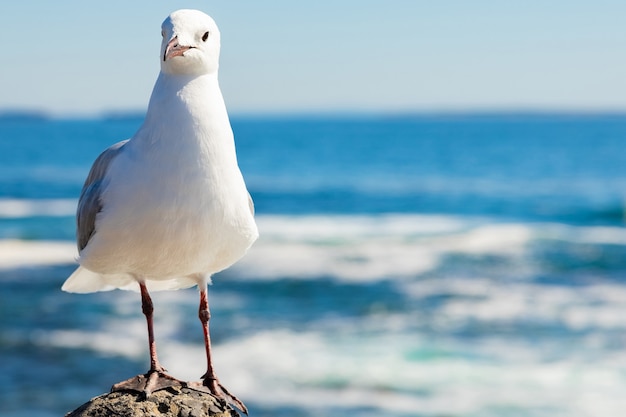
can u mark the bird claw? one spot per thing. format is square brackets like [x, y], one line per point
[153, 380]
[213, 387]
[238, 403]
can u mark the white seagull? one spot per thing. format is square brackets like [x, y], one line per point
[168, 208]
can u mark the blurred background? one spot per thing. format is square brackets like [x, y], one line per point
[440, 191]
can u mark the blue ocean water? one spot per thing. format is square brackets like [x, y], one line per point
[409, 265]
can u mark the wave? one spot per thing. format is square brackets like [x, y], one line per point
[447, 327]
[12, 208]
[346, 247]
[363, 247]
[393, 372]
[20, 253]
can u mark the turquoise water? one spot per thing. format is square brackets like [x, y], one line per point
[433, 265]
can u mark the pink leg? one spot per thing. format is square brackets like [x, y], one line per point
[148, 309]
[204, 314]
[209, 379]
[156, 378]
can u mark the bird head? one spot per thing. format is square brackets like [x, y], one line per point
[191, 43]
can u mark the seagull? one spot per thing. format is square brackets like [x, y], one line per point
[168, 208]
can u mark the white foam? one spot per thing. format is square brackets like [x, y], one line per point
[19, 253]
[361, 261]
[22, 208]
[359, 248]
[490, 239]
[365, 248]
[376, 362]
[330, 227]
[313, 370]
[493, 301]
[392, 368]
[125, 344]
[353, 248]
[597, 235]
[310, 370]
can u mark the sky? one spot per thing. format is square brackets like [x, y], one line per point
[282, 56]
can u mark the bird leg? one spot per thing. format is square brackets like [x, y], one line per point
[204, 314]
[148, 309]
[156, 378]
[209, 380]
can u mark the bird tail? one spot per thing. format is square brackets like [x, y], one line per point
[85, 281]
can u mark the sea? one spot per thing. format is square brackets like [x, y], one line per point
[426, 265]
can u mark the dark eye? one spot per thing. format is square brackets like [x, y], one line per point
[205, 36]
[162, 33]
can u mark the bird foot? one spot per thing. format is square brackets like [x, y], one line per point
[212, 386]
[153, 380]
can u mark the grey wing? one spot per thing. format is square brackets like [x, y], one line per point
[90, 204]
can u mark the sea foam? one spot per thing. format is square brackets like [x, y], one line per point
[357, 248]
[20, 253]
[11, 208]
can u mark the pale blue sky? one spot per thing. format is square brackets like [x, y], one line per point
[84, 57]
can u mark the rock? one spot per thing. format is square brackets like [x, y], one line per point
[170, 402]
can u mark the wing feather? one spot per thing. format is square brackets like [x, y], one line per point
[90, 203]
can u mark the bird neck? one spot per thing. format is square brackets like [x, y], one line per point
[188, 108]
[198, 97]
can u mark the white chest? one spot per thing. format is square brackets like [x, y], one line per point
[171, 212]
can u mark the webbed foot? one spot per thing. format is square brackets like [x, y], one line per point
[213, 386]
[148, 383]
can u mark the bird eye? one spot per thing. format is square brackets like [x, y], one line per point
[163, 33]
[205, 36]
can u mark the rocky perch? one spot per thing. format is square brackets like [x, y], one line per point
[170, 402]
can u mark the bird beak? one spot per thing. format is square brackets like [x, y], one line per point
[173, 49]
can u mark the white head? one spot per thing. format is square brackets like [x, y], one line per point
[191, 43]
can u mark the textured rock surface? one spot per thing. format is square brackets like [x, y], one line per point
[171, 402]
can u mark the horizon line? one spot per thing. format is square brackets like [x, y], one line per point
[35, 114]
